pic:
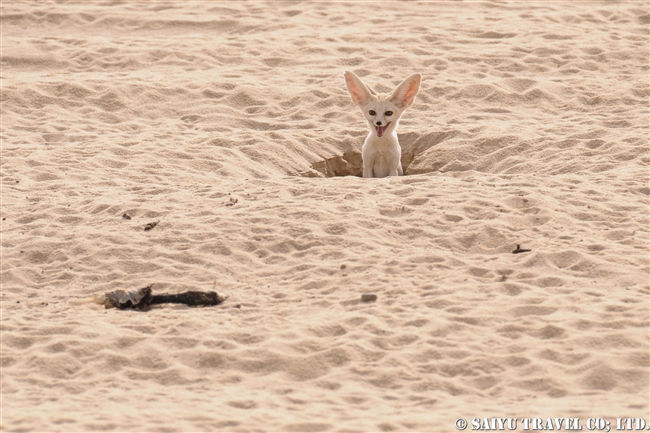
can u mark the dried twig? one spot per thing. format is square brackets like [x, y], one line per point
[520, 250]
[143, 298]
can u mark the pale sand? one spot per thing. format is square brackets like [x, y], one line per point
[531, 128]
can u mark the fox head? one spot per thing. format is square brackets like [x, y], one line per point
[382, 111]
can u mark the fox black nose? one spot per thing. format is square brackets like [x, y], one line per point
[378, 123]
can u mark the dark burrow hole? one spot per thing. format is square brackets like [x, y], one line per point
[350, 163]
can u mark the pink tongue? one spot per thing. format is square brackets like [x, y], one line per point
[380, 131]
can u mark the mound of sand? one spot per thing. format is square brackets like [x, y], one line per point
[229, 123]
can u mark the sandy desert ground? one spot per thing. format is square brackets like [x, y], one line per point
[229, 123]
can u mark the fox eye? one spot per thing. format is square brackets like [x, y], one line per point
[372, 112]
[388, 113]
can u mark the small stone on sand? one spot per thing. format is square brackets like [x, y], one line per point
[368, 297]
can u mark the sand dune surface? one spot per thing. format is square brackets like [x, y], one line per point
[230, 125]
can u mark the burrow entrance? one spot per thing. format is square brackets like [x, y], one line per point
[350, 163]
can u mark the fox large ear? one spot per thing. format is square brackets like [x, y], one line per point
[404, 94]
[360, 93]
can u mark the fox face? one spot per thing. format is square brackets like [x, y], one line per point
[381, 115]
[382, 111]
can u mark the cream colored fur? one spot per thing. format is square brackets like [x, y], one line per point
[381, 152]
